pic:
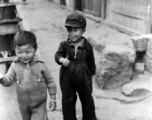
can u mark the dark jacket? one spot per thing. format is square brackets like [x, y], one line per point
[66, 48]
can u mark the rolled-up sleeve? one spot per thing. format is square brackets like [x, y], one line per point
[9, 77]
[51, 85]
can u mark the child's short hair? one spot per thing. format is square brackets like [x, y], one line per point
[25, 37]
[75, 20]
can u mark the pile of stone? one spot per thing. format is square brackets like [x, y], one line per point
[120, 65]
[116, 66]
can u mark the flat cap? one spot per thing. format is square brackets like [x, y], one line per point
[75, 20]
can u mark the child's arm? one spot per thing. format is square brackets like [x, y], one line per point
[52, 104]
[61, 53]
[60, 57]
[8, 78]
[49, 80]
[51, 87]
[91, 62]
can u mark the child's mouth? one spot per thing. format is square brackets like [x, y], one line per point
[24, 60]
[72, 37]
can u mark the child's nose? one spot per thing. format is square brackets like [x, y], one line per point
[24, 55]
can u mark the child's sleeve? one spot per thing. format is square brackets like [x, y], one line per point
[91, 61]
[9, 77]
[49, 80]
[60, 53]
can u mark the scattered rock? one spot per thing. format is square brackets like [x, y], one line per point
[98, 47]
[141, 118]
[140, 85]
[115, 67]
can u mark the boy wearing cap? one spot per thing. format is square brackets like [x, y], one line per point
[76, 57]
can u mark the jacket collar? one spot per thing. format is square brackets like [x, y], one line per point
[85, 43]
[36, 59]
[79, 44]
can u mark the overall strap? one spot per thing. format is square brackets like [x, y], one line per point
[19, 73]
[83, 55]
[67, 49]
[39, 72]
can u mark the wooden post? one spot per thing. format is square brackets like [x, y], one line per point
[103, 9]
[5, 1]
[83, 5]
[150, 15]
[107, 8]
[149, 12]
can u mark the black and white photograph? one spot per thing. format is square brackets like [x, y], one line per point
[75, 59]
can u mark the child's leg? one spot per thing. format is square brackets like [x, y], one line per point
[33, 113]
[39, 112]
[68, 101]
[25, 112]
[88, 107]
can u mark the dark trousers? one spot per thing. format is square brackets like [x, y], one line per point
[69, 98]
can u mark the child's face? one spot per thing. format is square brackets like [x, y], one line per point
[25, 53]
[75, 33]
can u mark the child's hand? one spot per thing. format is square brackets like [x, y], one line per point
[64, 61]
[52, 105]
[1, 76]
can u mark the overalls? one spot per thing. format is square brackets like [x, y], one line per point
[31, 94]
[76, 78]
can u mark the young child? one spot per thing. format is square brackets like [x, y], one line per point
[78, 67]
[32, 78]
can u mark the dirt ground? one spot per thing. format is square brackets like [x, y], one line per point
[46, 20]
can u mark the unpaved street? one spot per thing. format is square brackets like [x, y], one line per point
[46, 20]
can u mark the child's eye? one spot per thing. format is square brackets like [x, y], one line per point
[70, 29]
[28, 51]
[75, 30]
[19, 52]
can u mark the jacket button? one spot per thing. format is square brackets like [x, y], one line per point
[39, 79]
[18, 82]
